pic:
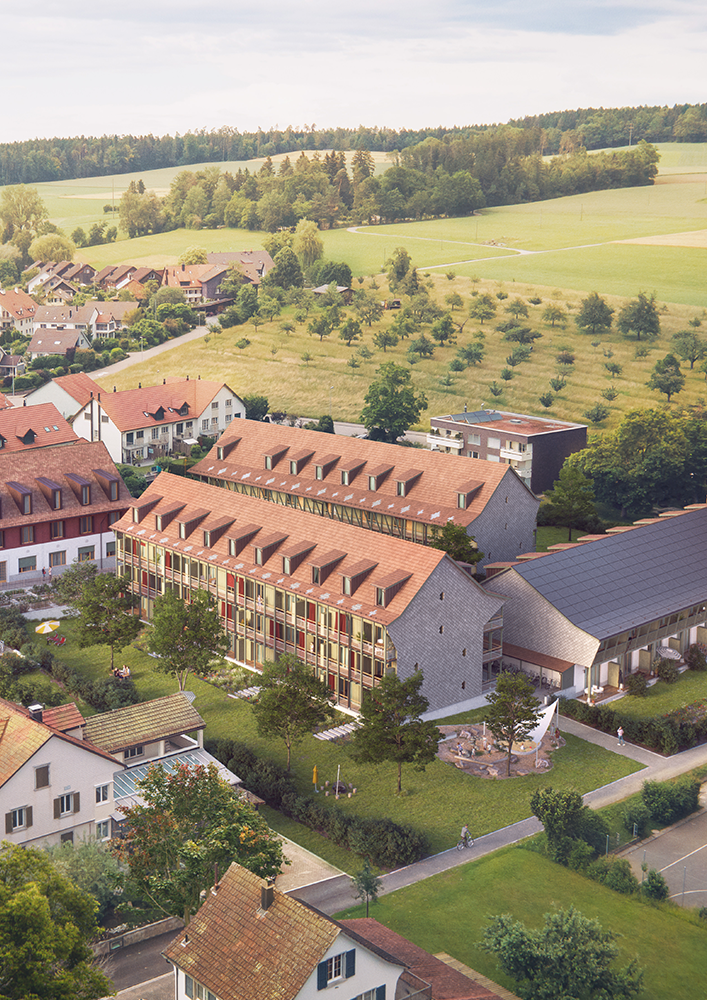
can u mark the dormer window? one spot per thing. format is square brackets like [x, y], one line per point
[344, 477]
[268, 461]
[182, 529]
[372, 484]
[85, 495]
[318, 472]
[400, 489]
[346, 585]
[136, 515]
[286, 565]
[27, 503]
[461, 501]
[316, 574]
[220, 454]
[258, 556]
[56, 499]
[207, 539]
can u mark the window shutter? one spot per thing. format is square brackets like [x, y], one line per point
[28, 816]
[322, 979]
[380, 992]
[189, 986]
[57, 808]
[350, 963]
[77, 801]
[8, 822]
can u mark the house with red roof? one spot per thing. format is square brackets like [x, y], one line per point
[42, 426]
[17, 310]
[140, 425]
[69, 393]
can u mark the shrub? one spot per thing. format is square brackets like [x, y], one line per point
[637, 685]
[655, 886]
[579, 856]
[695, 658]
[593, 829]
[636, 817]
[668, 801]
[615, 874]
[667, 670]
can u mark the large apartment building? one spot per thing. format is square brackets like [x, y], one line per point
[286, 580]
[408, 493]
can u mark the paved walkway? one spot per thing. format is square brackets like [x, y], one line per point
[335, 894]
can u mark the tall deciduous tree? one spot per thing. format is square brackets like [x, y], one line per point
[186, 637]
[286, 271]
[292, 701]
[444, 330]
[46, 925]
[106, 614]
[667, 377]
[307, 243]
[513, 710]
[640, 316]
[391, 404]
[570, 957]
[21, 211]
[392, 728]
[570, 502]
[560, 812]
[350, 331]
[52, 246]
[188, 822]
[595, 315]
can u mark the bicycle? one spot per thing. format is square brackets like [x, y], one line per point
[463, 842]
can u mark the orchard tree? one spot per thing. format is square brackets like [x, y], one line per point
[368, 306]
[690, 346]
[640, 316]
[46, 926]
[321, 325]
[391, 404]
[107, 614]
[385, 339]
[398, 265]
[552, 313]
[513, 710]
[392, 728]
[594, 316]
[482, 307]
[571, 957]
[471, 354]
[292, 701]
[517, 308]
[444, 330]
[186, 636]
[187, 822]
[350, 331]
[667, 377]
[570, 502]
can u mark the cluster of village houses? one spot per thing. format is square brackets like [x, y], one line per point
[318, 545]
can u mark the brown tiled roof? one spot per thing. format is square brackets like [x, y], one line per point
[18, 303]
[63, 717]
[127, 409]
[391, 554]
[44, 419]
[447, 983]
[50, 341]
[432, 498]
[21, 737]
[5, 403]
[83, 458]
[240, 952]
[539, 659]
[143, 723]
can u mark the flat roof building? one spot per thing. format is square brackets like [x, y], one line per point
[535, 447]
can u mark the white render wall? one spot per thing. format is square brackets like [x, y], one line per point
[71, 769]
[371, 972]
[71, 546]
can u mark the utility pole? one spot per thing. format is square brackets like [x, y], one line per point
[630, 134]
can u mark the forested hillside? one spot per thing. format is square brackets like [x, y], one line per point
[560, 131]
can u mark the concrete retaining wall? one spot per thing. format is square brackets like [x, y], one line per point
[138, 934]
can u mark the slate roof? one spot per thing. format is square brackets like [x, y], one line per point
[610, 585]
[21, 737]
[432, 498]
[143, 723]
[44, 419]
[446, 983]
[241, 952]
[266, 520]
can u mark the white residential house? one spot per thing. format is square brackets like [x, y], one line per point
[68, 393]
[138, 426]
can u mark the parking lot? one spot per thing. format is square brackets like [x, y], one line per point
[680, 855]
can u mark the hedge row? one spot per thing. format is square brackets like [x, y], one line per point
[385, 843]
[104, 695]
[666, 733]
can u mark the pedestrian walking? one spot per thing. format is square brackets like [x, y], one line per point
[620, 734]
[50, 574]
[44, 574]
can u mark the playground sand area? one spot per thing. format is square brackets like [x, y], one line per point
[473, 750]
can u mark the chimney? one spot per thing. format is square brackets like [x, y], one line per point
[36, 712]
[164, 381]
[464, 407]
[267, 896]
[115, 388]
[187, 378]
[139, 385]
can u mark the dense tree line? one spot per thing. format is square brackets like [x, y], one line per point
[61, 158]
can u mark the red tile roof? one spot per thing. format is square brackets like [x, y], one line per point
[44, 419]
[17, 303]
[79, 386]
[387, 554]
[57, 465]
[431, 498]
[241, 952]
[135, 408]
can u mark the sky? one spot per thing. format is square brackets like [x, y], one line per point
[166, 66]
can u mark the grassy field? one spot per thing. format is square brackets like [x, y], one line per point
[437, 801]
[661, 697]
[449, 912]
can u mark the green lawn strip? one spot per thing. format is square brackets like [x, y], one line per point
[438, 801]
[662, 698]
[312, 841]
[448, 912]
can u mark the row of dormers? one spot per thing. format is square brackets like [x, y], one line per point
[266, 546]
[53, 491]
[349, 470]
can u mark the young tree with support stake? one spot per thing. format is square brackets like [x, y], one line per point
[392, 728]
[186, 636]
[513, 710]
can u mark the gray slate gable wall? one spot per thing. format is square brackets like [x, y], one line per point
[531, 621]
[506, 526]
[462, 613]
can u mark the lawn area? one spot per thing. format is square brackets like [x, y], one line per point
[437, 801]
[661, 697]
[449, 911]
